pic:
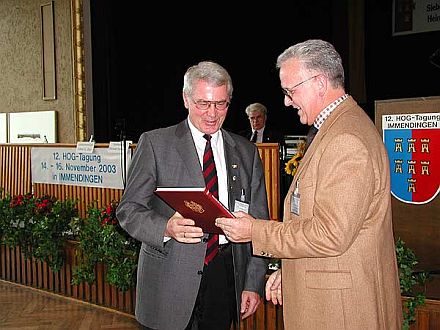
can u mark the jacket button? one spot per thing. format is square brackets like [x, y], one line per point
[200, 272]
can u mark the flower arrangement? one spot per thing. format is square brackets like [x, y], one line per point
[39, 225]
[52, 230]
[102, 240]
[293, 163]
[17, 215]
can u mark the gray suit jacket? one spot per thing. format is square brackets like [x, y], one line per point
[169, 273]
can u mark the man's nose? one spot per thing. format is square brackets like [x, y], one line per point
[212, 110]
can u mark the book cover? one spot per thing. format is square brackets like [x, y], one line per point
[197, 204]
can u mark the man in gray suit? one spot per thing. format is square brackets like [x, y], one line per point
[175, 289]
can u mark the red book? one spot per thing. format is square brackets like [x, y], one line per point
[197, 204]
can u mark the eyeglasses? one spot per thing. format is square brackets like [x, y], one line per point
[205, 105]
[290, 91]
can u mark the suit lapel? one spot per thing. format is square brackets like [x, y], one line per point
[233, 166]
[184, 146]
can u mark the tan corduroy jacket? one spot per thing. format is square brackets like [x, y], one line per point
[339, 267]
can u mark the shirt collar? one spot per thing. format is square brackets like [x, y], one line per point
[260, 130]
[198, 136]
[323, 115]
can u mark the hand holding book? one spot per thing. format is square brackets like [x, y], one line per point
[197, 204]
[238, 230]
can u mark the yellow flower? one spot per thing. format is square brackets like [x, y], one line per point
[293, 163]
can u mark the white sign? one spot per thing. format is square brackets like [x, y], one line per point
[116, 146]
[33, 127]
[69, 167]
[85, 147]
[414, 16]
[3, 128]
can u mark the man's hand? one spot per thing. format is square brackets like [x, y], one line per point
[249, 303]
[273, 288]
[238, 229]
[183, 230]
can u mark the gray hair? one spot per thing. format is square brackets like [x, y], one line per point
[210, 72]
[316, 55]
[256, 107]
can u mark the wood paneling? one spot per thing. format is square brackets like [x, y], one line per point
[15, 169]
[14, 264]
[270, 156]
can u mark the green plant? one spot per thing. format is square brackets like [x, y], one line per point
[102, 240]
[39, 225]
[4, 211]
[50, 232]
[409, 280]
[274, 264]
[17, 222]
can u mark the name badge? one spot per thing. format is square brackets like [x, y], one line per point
[241, 206]
[295, 200]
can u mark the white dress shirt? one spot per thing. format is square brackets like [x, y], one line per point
[220, 163]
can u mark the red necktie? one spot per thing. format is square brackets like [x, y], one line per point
[211, 181]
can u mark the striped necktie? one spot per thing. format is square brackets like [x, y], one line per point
[211, 181]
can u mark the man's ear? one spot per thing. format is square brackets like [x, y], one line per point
[322, 84]
[185, 100]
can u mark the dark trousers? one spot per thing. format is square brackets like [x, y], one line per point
[215, 306]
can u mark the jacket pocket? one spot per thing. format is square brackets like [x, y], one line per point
[154, 252]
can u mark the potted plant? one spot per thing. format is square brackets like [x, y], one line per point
[39, 225]
[409, 281]
[102, 240]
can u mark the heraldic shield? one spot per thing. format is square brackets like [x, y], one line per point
[414, 155]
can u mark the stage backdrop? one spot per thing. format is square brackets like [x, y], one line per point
[411, 132]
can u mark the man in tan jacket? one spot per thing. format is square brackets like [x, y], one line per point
[339, 268]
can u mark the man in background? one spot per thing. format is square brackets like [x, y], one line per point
[259, 132]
